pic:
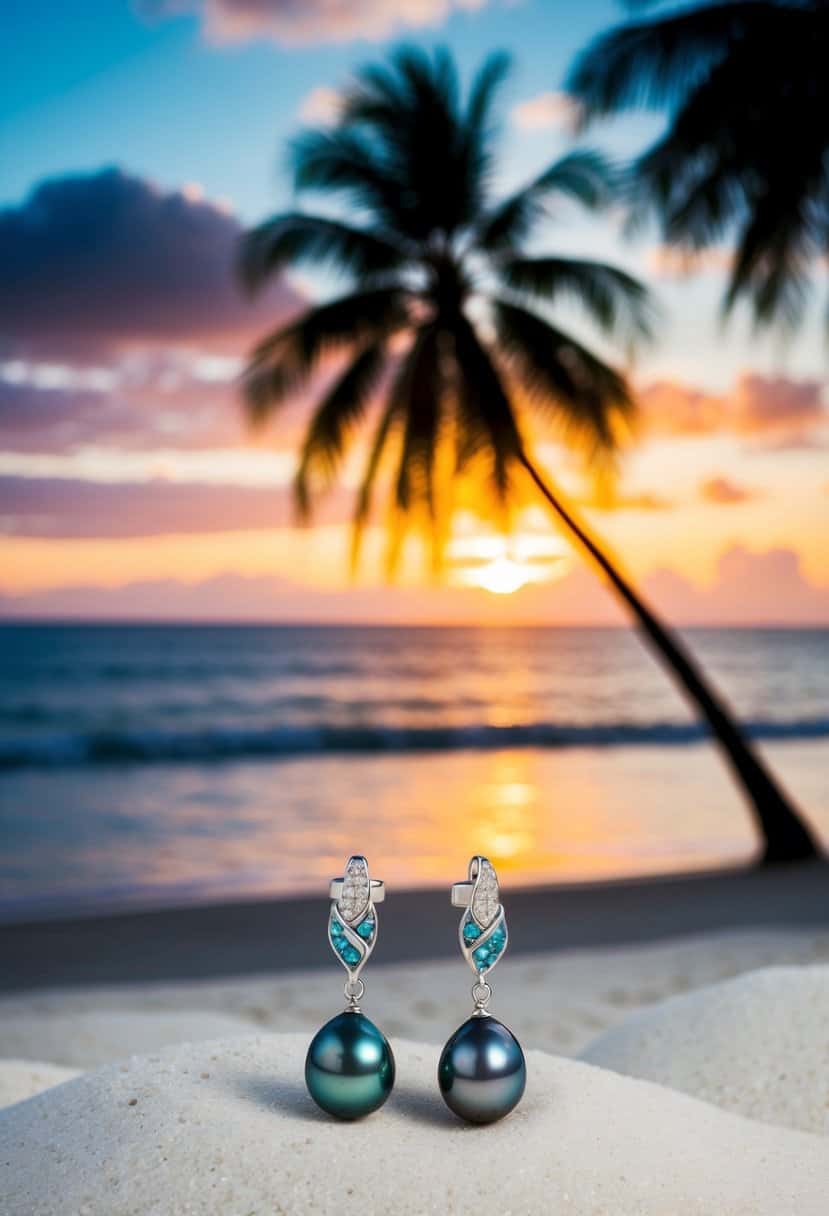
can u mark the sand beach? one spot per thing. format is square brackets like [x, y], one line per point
[674, 1071]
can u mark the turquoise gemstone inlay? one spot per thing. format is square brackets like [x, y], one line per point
[471, 931]
[365, 928]
[349, 953]
[488, 952]
[498, 940]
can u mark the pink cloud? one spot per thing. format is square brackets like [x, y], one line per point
[547, 111]
[321, 106]
[724, 491]
[63, 507]
[138, 412]
[668, 262]
[749, 589]
[771, 408]
[293, 22]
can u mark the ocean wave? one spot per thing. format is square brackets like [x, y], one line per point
[147, 746]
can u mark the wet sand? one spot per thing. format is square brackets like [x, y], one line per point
[231, 939]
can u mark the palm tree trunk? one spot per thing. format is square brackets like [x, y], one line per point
[786, 837]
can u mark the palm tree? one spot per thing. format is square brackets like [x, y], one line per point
[446, 323]
[746, 150]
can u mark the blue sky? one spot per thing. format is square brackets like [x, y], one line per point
[90, 83]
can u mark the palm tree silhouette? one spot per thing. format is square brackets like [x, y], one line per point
[429, 252]
[746, 150]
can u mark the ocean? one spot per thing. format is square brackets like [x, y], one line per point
[154, 765]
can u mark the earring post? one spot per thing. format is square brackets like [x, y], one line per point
[376, 893]
[462, 894]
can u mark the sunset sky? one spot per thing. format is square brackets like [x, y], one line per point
[136, 142]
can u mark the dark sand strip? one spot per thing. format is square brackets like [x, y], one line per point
[277, 935]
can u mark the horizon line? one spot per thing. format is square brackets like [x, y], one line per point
[293, 623]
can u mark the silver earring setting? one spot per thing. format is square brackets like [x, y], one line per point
[349, 1068]
[482, 1072]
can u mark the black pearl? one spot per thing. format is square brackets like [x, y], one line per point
[349, 1068]
[482, 1072]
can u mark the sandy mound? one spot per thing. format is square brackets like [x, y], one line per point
[557, 1002]
[21, 1079]
[83, 1039]
[226, 1127]
[757, 1045]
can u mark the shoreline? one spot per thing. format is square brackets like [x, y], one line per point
[223, 940]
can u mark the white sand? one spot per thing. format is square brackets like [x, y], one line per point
[757, 1045]
[556, 1002]
[81, 1040]
[21, 1079]
[226, 1128]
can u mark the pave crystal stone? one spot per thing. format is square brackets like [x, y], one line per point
[354, 900]
[486, 899]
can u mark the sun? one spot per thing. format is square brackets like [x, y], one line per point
[503, 565]
[502, 575]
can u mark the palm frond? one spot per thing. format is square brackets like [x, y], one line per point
[283, 361]
[653, 63]
[391, 420]
[717, 170]
[578, 391]
[477, 150]
[344, 161]
[487, 422]
[410, 114]
[584, 176]
[295, 238]
[617, 302]
[336, 417]
[775, 253]
[484, 88]
[375, 96]
[421, 402]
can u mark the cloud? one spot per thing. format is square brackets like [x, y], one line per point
[645, 500]
[762, 404]
[293, 22]
[62, 508]
[668, 262]
[724, 491]
[774, 409]
[108, 261]
[145, 404]
[546, 111]
[750, 589]
[321, 106]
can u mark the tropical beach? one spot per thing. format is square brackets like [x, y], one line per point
[687, 1073]
[413, 511]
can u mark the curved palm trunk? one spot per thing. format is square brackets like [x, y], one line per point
[786, 837]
